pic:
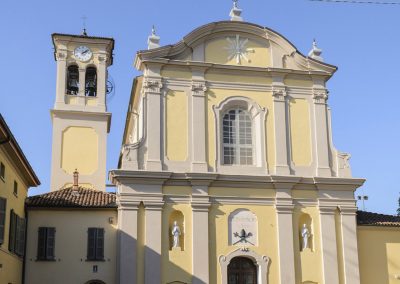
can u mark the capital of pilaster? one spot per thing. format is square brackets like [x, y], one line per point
[279, 94]
[200, 203]
[61, 55]
[129, 205]
[327, 210]
[102, 58]
[153, 205]
[320, 96]
[348, 210]
[284, 208]
[152, 86]
[198, 89]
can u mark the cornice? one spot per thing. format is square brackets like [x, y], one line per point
[236, 181]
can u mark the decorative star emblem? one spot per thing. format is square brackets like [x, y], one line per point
[237, 49]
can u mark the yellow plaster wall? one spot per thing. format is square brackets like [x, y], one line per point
[308, 263]
[216, 52]
[79, 150]
[177, 264]
[241, 192]
[11, 270]
[71, 246]
[300, 132]
[176, 73]
[222, 76]
[264, 99]
[296, 81]
[176, 126]
[267, 230]
[379, 254]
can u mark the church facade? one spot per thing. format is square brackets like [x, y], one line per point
[227, 174]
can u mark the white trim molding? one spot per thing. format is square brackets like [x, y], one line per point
[258, 115]
[261, 261]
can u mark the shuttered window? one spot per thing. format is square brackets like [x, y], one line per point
[3, 203]
[16, 243]
[95, 244]
[46, 243]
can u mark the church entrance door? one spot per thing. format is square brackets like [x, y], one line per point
[241, 270]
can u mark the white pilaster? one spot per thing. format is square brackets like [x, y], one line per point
[82, 82]
[127, 243]
[102, 82]
[321, 138]
[280, 126]
[284, 210]
[200, 257]
[350, 248]
[198, 129]
[152, 89]
[329, 245]
[61, 57]
[152, 253]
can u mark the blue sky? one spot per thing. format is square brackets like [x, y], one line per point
[361, 39]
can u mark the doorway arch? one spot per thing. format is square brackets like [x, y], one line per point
[242, 270]
[260, 262]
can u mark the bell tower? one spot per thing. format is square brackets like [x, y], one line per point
[80, 118]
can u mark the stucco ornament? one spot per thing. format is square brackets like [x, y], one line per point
[237, 49]
[176, 232]
[305, 236]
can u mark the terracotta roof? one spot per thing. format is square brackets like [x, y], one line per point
[374, 219]
[71, 198]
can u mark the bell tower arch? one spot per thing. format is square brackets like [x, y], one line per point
[80, 118]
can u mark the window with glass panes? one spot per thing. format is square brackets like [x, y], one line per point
[237, 138]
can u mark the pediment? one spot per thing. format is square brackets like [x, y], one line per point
[235, 44]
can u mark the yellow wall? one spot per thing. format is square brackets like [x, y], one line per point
[79, 150]
[222, 76]
[71, 246]
[176, 125]
[379, 254]
[300, 132]
[176, 73]
[215, 96]
[216, 52]
[11, 270]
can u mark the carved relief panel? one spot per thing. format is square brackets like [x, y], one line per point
[243, 228]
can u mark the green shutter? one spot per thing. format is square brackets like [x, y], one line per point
[20, 247]
[50, 243]
[12, 233]
[3, 203]
[41, 252]
[100, 244]
[91, 252]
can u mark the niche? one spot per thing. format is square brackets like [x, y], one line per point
[306, 233]
[176, 230]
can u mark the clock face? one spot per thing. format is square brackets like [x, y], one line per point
[83, 53]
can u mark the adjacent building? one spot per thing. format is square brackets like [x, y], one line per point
[16, 177]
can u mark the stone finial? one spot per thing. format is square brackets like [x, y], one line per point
[235, 13]
[75, 186]
[315, 52]
[153, 40]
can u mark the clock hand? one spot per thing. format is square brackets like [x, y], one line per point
[86, 51]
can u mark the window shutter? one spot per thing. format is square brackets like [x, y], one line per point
[41, 252]
[50, 244]
[100, 244]
[13, 229]
[91, 252]
[20, 236]
[3, 203]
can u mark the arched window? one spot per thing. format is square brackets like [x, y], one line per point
[91, 82]
[73, 80]
[237, 137]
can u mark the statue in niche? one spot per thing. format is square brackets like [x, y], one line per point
[176, 232]
[305, 236]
